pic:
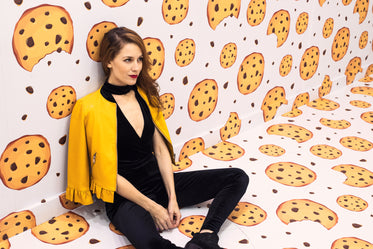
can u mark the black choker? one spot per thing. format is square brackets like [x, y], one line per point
[118, 90]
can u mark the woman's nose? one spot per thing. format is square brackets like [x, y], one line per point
[136, 66]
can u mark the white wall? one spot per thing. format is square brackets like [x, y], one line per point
[15, 101]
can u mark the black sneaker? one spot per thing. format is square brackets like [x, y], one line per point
[203, 241]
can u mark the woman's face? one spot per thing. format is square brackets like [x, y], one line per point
[126, 66]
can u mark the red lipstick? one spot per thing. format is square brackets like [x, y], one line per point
[133, 76]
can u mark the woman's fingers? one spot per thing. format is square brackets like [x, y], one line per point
[162, 220]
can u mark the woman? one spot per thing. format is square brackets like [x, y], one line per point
[120, 150]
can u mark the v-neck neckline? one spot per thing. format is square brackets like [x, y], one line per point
[129, 123]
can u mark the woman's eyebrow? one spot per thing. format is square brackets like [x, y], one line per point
[131, 57]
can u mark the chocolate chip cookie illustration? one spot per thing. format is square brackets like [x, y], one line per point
[285, 65]
[155, 50]
[95, 36]
[228, 55]
[272, 150]
[191, 224]
[40, 31]
[361, 7]
[328, 28]
[296, 132]
[168, 103]
[280, 25]
[185, 52]
[192, 147]
[231, 128]
[356, 143]
[304, 209]
[309, 63]
[351, 242]
[356, 176]
[62, 229]
[272, 101]
[290, 174]
[25, 161]
[175, 11]
[352, 203]
[61, 101]
[224, 151]
[247, 214]
[256, 12]
[325, 87]
[203, 100]
[16, 223]
[326, 151]
[251, 73]
[340, 44]
[218, 10]
[302, 23]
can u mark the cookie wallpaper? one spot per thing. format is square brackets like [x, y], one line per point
[280, 89]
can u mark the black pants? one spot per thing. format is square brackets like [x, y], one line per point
[225, 186]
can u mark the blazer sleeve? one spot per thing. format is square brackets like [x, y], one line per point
[78, 165]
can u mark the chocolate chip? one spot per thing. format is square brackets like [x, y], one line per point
[51, 221]
[356, 225]
[62, 140]
[295, 210]
[94, 241]
[13, 166]
[139, 21]
[88, 5]
[30, 90]
[24, 179]
[30, 42]
[58, 38]
[48, 26]
[244, 241]
[63, 20]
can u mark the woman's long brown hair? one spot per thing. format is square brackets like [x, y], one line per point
[112, 42]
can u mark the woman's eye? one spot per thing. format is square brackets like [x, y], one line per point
[127, 60]
[141, 59]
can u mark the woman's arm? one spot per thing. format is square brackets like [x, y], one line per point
[159, 214]
[163, 157]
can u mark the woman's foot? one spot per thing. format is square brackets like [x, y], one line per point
[203, 241]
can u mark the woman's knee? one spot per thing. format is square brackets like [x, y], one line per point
[240, 178]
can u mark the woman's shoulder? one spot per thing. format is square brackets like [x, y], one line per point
[89, 101]
[91, 96]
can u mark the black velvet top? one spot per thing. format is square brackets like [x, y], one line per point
[133, 151]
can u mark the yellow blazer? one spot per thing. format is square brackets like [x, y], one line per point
[92, 147]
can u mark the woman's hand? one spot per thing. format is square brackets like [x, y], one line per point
[174, 212]
[161, 218]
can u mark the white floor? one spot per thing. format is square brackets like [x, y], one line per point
[272, 233]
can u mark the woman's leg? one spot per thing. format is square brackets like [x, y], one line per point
[225, 186]
[138, 226]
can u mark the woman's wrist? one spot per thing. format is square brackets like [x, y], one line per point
[172, 197]
[150, 205]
